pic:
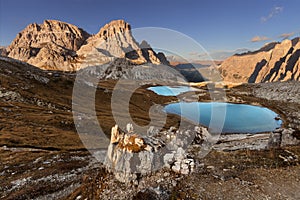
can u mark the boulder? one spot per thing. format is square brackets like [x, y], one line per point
[282, 137]
[130, 155]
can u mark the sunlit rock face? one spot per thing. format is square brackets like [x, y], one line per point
[115, 40]
[56, 45]
[51, 45]
[273, 62]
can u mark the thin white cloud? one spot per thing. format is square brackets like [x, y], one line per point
[259, 38]
[275, 11]
[194, 53]
[286, 35]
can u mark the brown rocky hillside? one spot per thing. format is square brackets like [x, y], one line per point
[273, 62]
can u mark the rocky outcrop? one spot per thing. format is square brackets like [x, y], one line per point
[130, 155]
[122, 68]
[283, 96]
[273, 62]
[282, 137]
[56, 45]
[3, 51]
[10, 95]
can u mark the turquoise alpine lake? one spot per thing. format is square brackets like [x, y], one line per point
[227, 117]
[171, 90]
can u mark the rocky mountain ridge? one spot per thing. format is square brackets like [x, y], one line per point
[276, 61]
[56, 45]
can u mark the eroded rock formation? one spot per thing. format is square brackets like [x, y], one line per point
[56, 45]
[115, 40]
[51, 45]
[130, 155]
[273, 62]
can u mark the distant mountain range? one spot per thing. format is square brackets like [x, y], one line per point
[277, 61]
[56, 45]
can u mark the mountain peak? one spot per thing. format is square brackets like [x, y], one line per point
[53, 21]
[145, 45]
[113, 27]
[48, 45]
[57, 45]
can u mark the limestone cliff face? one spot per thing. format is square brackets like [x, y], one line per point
[51, 45]
[56, 45]
[115, 40]
[273, 62]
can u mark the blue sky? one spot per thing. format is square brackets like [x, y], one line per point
[218, 25]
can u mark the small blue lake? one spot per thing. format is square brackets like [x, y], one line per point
[171, 90]
[227, 117]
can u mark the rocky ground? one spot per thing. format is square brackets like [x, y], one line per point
[42, 156]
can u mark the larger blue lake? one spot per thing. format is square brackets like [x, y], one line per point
[227, 117]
